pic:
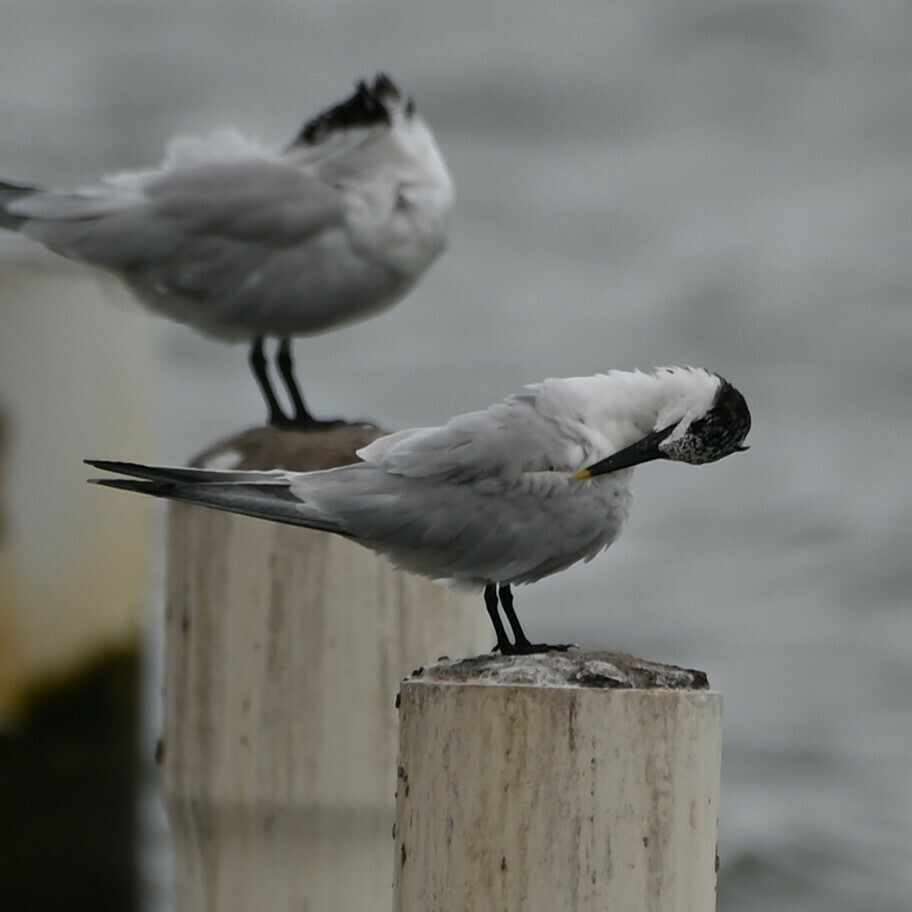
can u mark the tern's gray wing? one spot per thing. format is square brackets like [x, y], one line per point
[470, 531]
[124, 228]
[219, 246]
[489, 529]
[504, 440]
[267, 202]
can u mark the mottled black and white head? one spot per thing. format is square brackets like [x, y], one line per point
[371, 105]
[712, 434]
[703, 419]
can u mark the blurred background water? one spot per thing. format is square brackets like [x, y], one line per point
[715, 182]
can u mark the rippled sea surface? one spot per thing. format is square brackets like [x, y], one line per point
[714, 182]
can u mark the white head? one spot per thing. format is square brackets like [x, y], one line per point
[376, 146]
[377, 128]
[702, 418]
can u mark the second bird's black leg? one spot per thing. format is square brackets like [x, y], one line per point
[520, 644]
[520, 640]
[302, 416]
[257, 361]
[303, 420]
[504, 646]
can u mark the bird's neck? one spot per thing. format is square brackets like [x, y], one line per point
[616, 409]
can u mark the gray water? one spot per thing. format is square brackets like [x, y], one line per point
[714, 182]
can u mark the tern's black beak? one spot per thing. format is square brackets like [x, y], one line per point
[644, 450]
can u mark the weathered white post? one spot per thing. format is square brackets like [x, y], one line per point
[558, 783]
[284, 652]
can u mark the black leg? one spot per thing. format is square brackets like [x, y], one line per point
[302, 417]
[303, 420]
[521, 644]
[503, 644]
[257, 361]
[506, 600]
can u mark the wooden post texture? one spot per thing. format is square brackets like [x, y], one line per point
[558, 783]
[284, 652]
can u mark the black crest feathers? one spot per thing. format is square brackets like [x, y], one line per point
[369, 105]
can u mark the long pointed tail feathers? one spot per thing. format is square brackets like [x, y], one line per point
[262, 495]
[183, 473]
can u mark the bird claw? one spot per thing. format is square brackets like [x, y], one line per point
[533, 648]
[283, 423]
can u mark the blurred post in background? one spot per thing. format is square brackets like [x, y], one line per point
[284, 651]
[7, 622]
[74, 373]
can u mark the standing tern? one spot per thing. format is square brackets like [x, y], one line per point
[241, 241]
[493, 498]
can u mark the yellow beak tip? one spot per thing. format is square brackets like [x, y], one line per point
[581, 475]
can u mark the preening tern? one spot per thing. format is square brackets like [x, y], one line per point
[241, 241]
[507, 495]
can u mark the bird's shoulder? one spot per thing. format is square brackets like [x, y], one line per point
[227, 186]
[210, 165]
[508, 439]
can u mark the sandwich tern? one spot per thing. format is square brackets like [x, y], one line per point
[241, 241]
[493, 498]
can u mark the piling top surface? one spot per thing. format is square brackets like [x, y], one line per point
[264, 448]
[584, 670]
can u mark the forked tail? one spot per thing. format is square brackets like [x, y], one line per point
[263, 495]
